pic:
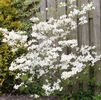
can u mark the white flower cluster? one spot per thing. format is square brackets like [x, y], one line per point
[69, 43]
[85, 55]
[63, 4]
[14, 39]
[45, 50]
[48, 89]
[74, 11]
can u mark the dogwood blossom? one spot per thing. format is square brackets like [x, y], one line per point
[46, 57]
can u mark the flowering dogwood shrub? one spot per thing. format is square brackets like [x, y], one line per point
[46, 60]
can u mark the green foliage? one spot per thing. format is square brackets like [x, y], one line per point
[6, 76]
[79, 95]
[83, 95]
[1, 37]
[29, 87]
[98, 97]
[15, 14]
[8, 15]
[20, 51]
[26, 9]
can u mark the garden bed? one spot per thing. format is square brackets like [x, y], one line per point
[26, 98]
[15, 98]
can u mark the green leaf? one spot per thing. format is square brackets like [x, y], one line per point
[24, 77]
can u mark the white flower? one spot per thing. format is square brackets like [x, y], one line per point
[65, 75]
[83, 20]
[34, 19]
[17, 86]
[46, 9]
[36, 96]
[62, 4]
[71, 1]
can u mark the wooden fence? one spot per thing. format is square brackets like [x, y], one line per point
[88, 34]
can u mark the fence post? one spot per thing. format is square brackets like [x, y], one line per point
[97, 38]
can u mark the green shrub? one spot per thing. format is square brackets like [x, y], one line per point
[14, 15]
[6, 76]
